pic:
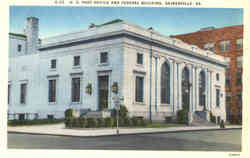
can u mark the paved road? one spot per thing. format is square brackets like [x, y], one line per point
[226, 140]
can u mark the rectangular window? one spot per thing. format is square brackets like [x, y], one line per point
[217, 97]
[239, 78]
[239, 61]
[75, 89]
[23, 93]
[239, 44]
[50, 117]
[224, 46]
[19, 47]
[139, 89]
[228, 100]
[139, 58]
[239, 99]
[228, 79]
[21, 116]
[53, 64]
[52, 91]
[104, 57]
[9, 89]
[209, 46]
[217, 77]
[77, 60]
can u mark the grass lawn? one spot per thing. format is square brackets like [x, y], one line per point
[165, 125]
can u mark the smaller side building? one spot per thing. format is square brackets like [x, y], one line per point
[227, 42]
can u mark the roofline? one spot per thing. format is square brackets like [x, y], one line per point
[138, 37]
[205, 30]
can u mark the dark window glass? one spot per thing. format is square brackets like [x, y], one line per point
[52, 91]
[209, 46]
[224, 46]
[239, 44]
[9, 89]
[19, 48]
[139, 58]
[104, 57]
[202, 88]
[239, 99]
[165, 83]
[229, 100]
[53, 64]
[50, 117]
[23, 93]
[139, 89]
[76, 60]
[217, 97]
[21, 117]
[217, 77]
[239, 79]
[75, 89]
[228, 79]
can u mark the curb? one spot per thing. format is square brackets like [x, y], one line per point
[125, 134]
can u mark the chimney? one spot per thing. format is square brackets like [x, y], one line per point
[31, 31]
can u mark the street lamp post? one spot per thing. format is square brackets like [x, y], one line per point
[150, 76]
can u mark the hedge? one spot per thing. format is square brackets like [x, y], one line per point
[33, 122]
[107, 122]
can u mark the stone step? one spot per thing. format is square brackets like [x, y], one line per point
[199, 120]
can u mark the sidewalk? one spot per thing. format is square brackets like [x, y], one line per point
[60, 130]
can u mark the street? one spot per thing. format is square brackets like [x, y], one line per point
[218, 140]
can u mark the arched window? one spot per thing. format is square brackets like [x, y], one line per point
[185, 75]
[185, 88]
[165, 83]
[202, 88]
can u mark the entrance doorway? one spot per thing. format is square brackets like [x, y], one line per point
[103, 92]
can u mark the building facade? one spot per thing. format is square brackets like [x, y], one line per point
[156, 75]
[228, 42]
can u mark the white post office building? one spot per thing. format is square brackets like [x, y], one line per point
[155, 74]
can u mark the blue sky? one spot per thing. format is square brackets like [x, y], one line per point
[168, 21]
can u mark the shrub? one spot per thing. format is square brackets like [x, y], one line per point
[68, 113]
[143, 122]
[135, 121]
[222, 125]
[218, 120]
[91, 122]
[121, 122]
[82, 122]
[182, 115]
[212, 118]
[123, 112]
[70, 122]
[168, 119]
[109, 122]
[100, 122]
[66, 122]
[128, 122]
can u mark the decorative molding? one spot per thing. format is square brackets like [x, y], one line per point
[76, 73]
[139, 72]
[24, 81]
[104, 71]
[53, 76]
